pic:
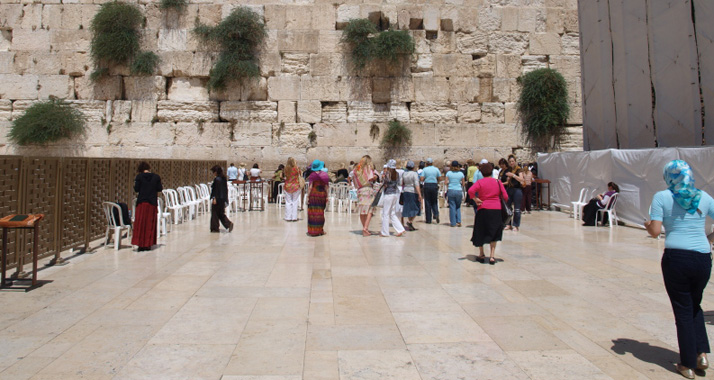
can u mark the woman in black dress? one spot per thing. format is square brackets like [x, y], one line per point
[147, 184]
[219, 199]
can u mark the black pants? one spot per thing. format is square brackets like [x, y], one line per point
[218, 213]
[431, 200]
[590, 211]
[686, 274]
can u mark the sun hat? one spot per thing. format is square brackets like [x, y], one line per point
[392, 164]
[317, 165]
[454, 163]
[430, 160]
[410, 164]
[483, 161]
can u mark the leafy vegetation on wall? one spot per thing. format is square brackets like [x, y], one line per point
[367, 43]
[238, 37]
[543, 108]
[396, 139]
[47, 122]
[178, 5]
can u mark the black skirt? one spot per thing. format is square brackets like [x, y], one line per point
[488, 227]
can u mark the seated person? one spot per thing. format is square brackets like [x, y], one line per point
[599, 202]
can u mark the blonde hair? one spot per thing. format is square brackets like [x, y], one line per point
[290, 165]
[365, 162]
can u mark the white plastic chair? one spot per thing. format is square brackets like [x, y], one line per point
[580, 203]
[164, 218]
[203, 198]
[173, 205]
[194, 199]
[185, 200]
[280, 199]
[117, 224]
[610, 210]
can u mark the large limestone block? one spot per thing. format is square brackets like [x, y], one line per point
[324, 88]
[275, 16]
[468, 113]
[309, 111]
[187, 89]
[493, 113]
[429, 89]
[31, 16]
[334, 112]
[201, 64]
[191, 111]
[18, 86]
[432, 19]
[254, 89]
[293, 135]
[287, 111]
[570, 22]
[5, 40]
[10, 16]
[270, 63]
[295, 63]
[402, 89]
[527, 19]
[333, 135]
[6, 61]
[5, 109]
[545, 44]
[145, 88]
[453, 65]
[576, 114]
[567, 65]
[571, 43]
[298, 17]
[323, 17]
[172, 39]
[327, 64]
[345, 13]
[489, 19]
[533, 62]
[60, 86]
[355, 88]
[107, 88]
[72, 40]
[511, 112]
[485, 65]
[445, 43]
[75, 63]
[329, 42]
[250, 111]
[52, 16]
[120, 111]
[93, 110]
[463, 89]
[298, 41]
[366, 112]
[381, 90]
[143, 110]
[472, 43]
[433, 112]
[422, 63]
[284, 87]
[28, 39]
[256, 134]
[508, 43]
[175, 63]
[554, 20]
[508, 65]
[502, 89]
[509, 19]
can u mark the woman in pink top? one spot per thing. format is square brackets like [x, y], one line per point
[488, 225]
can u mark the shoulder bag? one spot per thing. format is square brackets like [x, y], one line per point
[506, 212]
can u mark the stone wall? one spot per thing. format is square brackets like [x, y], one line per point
[457, 93]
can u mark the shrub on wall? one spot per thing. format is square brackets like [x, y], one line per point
[115, 37]
[543, 108]
[367, 43]
[238, 37]
[178, 5]
[47, 122]
[396, 138]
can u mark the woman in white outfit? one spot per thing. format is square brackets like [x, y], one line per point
[292, 189]
[390, 201]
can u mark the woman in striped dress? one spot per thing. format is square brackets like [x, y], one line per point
[317, 199]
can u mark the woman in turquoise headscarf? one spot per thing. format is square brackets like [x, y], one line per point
[687, 262]
[317, 198]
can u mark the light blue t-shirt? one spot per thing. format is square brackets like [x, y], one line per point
[477, 176]
[682, 230]
[431, 174]
[454, 179]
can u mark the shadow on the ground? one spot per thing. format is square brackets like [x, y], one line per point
[646, 352]
[472, 258]
[709, 317]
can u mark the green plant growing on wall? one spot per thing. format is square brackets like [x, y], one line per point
[396, 139]
[115, 39]
[543, 108]
[47, 122]
[367, 43]
[312, 137]
[238, 37]
[179, 5]
[145, 63]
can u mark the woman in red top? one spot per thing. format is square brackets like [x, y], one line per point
[488, 225]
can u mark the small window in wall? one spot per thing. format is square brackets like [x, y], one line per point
[431, 34]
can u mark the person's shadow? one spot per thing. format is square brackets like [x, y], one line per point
[709, 317]
[645, 352]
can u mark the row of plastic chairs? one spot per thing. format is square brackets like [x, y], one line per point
[186, 202]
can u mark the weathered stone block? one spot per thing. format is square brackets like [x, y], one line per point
[511, 112]
[31, 16]
[28, 39]
[493, 113]
[327, 89]
[489, 19]
[120, 111]
[533, 62]
[554, 20]
[253, 134]
[10, 16]
[508, 43]
[72, 40]
[254, 89]
[6, 62]
[191, 111]
[423, 63]
[508, 65]
[143, 110]
[381, 90]
[107, 88]
[187, 89]
[431, 89]
[287, 111]
[74, 63]
[250, 111]
[309, 111]
[567, 65]
[329, 42]
[172, 39]
[509, 19]
[502, 89]
[463, 89]
[355, 88]
[145, 88]
[298, 41]
[445, 43]
[527, 19]
[294, 135]
[298, 17]
[485, 93]
[295, 63]
[5, 109]
[323, 17]
[18, 86]
[545, 44]
[275, 16]
[93, 110]
[433, 112]
[366, 112]
[402, 89]
[202, 134]
[60, 86]
[453, 65]
[468, 113]
[431, 19]
[327, 64]
[345, 13]
[335, 134]
[570, 21]
[284, 87]
[473, 43]
[334, 112]
[571, 44]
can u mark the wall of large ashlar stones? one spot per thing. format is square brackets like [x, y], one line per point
[457, 93]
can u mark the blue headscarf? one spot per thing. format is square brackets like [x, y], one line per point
[679, 180]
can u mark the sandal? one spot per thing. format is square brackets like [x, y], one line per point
[481, 259]
[492, 261]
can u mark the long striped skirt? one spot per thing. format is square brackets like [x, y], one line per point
[144, 234]
[316, 202]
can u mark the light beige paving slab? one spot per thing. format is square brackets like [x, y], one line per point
[321, 365]
[269, 347]
[447, 361]
[360, 337]
[556, 365]
[522, 333]
[362, 310]
[439, 327]
[203, 361]
[377, 365]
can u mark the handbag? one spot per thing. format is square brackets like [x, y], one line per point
[506, 212]
[401, 199]
[301, 181]
[377, 201]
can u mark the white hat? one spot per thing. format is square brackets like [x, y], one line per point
[392, 164]
[483, 161]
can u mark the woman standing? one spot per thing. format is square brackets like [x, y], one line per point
[278, 178]
[412, 195]
[513, 176]
[599, 202]
[317, 199]
[293, 190]
[255, 172]
[488, 224]
[687, 262]
[390, 199]
[219, 200]
[147, 184]
[454, 193]
[363, 177]
[527, 189]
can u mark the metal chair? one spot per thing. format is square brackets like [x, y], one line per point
[115, 221]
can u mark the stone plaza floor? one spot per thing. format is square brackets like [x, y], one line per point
[266, 302]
